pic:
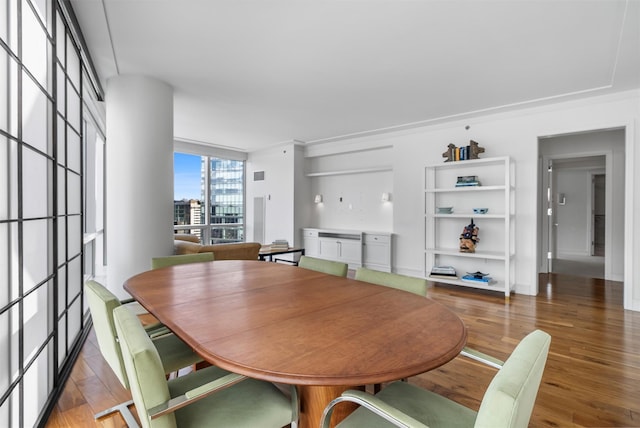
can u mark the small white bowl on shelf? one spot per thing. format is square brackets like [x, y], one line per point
[480, 210]
[444, 210]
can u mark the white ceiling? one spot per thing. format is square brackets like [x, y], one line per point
[254, 73]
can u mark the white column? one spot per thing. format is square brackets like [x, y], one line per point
[139, 176]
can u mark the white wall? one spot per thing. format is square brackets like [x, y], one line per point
[513, 134]
[351, 182]
[278, 164]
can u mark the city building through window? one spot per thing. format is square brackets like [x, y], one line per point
[209, 197]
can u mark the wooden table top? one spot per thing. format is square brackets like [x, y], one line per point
[286, 324]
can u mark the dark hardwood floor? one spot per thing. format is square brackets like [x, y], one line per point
[592, 377]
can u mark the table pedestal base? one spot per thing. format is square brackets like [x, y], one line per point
[313, 400]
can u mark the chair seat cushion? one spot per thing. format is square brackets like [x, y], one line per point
[429, 408]
[174, 353]
[251, 403]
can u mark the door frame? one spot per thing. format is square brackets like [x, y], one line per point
[548, 235]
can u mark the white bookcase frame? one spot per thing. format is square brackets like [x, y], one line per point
[495, 249]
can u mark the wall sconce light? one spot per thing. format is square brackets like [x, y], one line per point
[318, 199]
[386, 197]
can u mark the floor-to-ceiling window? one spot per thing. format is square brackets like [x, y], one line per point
[41, 206]
[209, 196]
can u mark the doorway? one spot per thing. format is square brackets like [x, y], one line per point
[599, 214]
[581, 220]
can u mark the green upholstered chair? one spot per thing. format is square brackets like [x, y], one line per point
[394, 280]
[325, 266]
[160, 262]
[507, 402]
[208, 397]
[175, 354]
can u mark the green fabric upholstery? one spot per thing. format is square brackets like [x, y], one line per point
[507, 403]
[175, 354]
[160, 262]
[144, 368]
[394, 280]
[324, 266]
[250, 403]
[102, 302]
[509, 399]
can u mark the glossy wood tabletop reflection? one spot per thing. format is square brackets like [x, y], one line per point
[291, 325]
[287, 324]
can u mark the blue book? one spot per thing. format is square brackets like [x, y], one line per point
[475, 278]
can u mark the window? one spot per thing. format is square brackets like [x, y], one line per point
[209, 197]
[42, 176]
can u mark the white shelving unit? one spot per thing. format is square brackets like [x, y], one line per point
[494, 252]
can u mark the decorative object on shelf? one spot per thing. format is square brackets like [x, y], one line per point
[478, 277]
[467, 181]
[444, 210]
[469, 238]
[480, 210]
[454, 153]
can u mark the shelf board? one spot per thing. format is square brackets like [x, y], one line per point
[492, 255]
[467, 215]
[470, 162]
[350, 171]
[466, 189]
[496, 286]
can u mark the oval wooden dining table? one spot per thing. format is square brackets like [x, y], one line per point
[286, 324]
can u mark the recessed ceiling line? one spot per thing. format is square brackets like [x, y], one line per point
[442, 119]
[619, 47]
[113, 49]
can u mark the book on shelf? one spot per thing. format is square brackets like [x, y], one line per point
[444, 272]
[467, 180]
[436, 276]
[478, 279]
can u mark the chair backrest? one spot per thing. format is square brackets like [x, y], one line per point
[235, 250]
[144, 368]
[325, 266]
[160, 262]
[102, 302]
[186, 237]
[509, 399]
[394, 280]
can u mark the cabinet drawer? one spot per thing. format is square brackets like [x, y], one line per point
[310, 233]
[379, 239]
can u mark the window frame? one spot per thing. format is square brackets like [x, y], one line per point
[209, 153]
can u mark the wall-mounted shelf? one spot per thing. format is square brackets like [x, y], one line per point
[350, 171]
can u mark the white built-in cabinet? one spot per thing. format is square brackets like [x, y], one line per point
[356, 248]
[494, 253]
